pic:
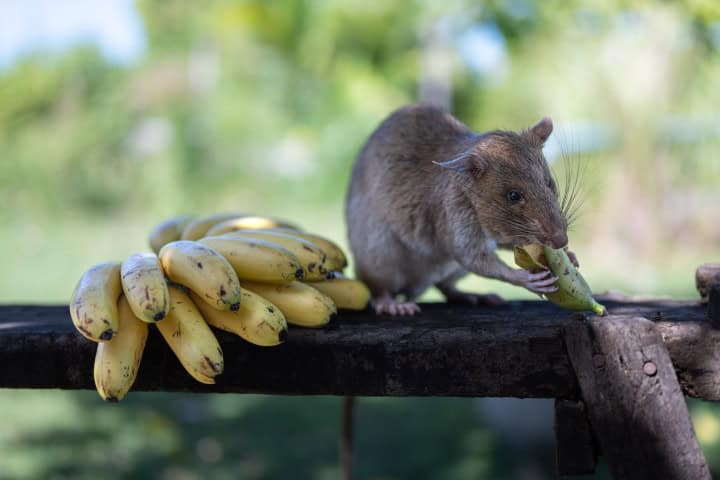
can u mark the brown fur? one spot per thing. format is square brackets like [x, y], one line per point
[428, 196]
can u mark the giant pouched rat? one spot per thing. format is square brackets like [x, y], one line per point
[430, 200]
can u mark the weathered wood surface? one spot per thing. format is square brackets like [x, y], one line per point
[634, 402]
[516, 350]
[575, 452]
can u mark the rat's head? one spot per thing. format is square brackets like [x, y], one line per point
[508, 181]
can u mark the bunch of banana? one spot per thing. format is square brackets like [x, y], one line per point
[193, 281]
[573, 291]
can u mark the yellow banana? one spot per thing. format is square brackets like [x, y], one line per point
[258, 321]
[144, 285]
[345, 292]
[257, 260]
[190, 338]
[167, 231]
[117, 362]
[336, 259]
[311, 257]
[247, 223]
[202, 270]
[198, 228]
[93, 305]
[573, 291]
[300, 303]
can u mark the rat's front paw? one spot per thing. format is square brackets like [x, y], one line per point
[541, 282]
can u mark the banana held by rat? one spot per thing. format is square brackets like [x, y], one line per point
[117, 362]
[202, 270]
[301, 304]
[573, 291]
[310, 255]
[248, 223]
[144, 285]
[167, 231]
[336, 259]
[347, 293]
[93, 305]
[190, 338]
[257, 260]
[258, 321]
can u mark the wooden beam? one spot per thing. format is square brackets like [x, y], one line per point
[511, 351]
[634, 401]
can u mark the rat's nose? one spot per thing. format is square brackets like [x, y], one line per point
[558, 240]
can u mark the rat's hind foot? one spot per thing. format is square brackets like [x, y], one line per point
[473, 299]
[389, 305]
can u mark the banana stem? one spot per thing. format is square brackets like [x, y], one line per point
[346, 438]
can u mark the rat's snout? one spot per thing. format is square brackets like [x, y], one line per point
[558, 240]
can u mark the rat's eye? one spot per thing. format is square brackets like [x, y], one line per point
[514, 196]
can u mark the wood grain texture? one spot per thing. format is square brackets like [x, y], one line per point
[634, 402]
[515, 350]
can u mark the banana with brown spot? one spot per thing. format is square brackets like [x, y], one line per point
[311, 257]
[117, 362]
[301, 304]
[257, 260]
[258, 321]
[93, 304]
[144, 285]
[336, 259]
[202, 270]
[190, 338]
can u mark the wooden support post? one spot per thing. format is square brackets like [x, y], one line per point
[575, 452]
[707, 275]
[633, 398]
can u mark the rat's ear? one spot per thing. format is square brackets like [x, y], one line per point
[466, 162]
[542, 130]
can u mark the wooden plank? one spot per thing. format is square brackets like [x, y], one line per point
[515, 350]
[575, 452]
[634, 402]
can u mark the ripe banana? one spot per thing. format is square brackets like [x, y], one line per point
[117, 361]
[345, 292]
[258, 321]
[93, 305]
[257, 260]
[247, 223]
[336, 259]
[167, 231]
[144, 285]
[202, 270]
[311, 257]
[190, 338]
[573, 291]
[198, 228]
[300, 303]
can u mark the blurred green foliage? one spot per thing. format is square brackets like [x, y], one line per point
[261, 106]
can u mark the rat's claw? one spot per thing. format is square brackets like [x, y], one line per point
[393, 307]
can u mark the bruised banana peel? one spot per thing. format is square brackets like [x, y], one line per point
[573, 291]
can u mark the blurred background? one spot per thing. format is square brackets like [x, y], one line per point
[115, 115]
